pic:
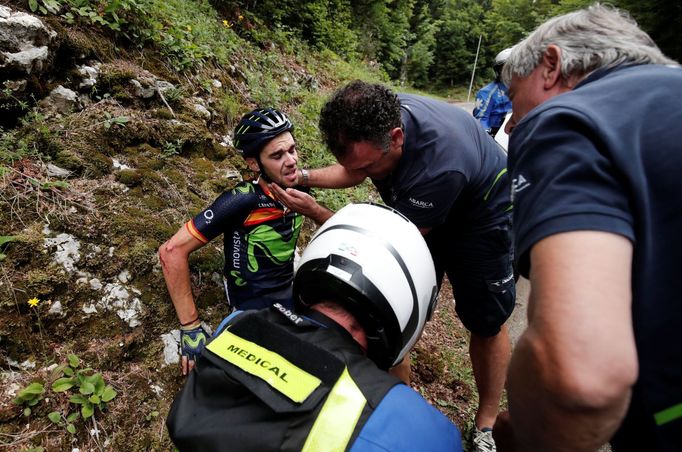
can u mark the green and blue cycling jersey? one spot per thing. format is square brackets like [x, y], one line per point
[259, 244]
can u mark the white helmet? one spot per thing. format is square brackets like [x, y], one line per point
[374, 262]
[501, 57]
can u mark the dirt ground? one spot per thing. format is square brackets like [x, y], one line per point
[441, 369]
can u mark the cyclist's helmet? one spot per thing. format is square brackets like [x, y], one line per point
[257, 128]
[500, 59]
[374, 262]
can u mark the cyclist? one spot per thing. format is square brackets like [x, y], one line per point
[259, 233]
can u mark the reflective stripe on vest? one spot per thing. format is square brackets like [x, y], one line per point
[336, 422]
[274, 369]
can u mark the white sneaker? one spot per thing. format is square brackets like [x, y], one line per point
[482, 441]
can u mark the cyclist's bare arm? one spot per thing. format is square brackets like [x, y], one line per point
[174, 257]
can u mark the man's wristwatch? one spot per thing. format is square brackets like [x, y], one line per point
[305, 176]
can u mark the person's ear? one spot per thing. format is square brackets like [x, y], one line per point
[252, 164]
[397, 137]
[551, 67]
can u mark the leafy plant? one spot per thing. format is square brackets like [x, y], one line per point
[86, 389]
[44, 6]
[174, 95]
[171, 148]
[111, 120]
[64, 421]
[8, 93]
[110, 14]
[47, 185]
[30, 396]
[89, 390]
[152, 415]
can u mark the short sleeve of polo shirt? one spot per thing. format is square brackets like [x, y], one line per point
[428, 204]
[226, 212]
[564, 179]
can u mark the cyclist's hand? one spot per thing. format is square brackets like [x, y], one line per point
[192, 341]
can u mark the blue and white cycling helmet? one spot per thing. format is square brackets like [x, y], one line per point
[257, 128]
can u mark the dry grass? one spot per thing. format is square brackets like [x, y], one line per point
[26, 190]
[441, 369]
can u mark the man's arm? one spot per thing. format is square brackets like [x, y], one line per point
[572, 371]
[302, 203]
[334, 176]
[174, 257]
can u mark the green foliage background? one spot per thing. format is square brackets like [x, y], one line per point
[424, 43]
[235, 55]
[432, 43]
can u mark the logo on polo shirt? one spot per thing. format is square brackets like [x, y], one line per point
[421, 204]
[518, 184]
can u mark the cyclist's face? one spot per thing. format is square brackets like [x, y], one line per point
[279, 159]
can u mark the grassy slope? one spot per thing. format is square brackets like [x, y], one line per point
[120, 216]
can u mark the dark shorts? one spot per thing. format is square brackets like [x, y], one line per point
[479, 267]
[283, 296]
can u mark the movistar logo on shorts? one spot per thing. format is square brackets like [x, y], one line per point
[421, 204]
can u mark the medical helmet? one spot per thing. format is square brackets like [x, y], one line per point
[375, 263]
[501, 57]
[257, 128]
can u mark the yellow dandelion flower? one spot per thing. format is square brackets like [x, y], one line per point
[33, 302]
[241, 17]
[189, 28]
[226, 23]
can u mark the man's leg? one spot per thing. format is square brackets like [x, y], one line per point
[489, 358]
[482, 281]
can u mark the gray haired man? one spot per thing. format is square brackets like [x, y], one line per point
[596, 163]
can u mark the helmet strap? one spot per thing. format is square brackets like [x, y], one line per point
[263, 174]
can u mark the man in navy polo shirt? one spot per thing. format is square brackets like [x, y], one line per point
[596, 167]
[434, 163]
